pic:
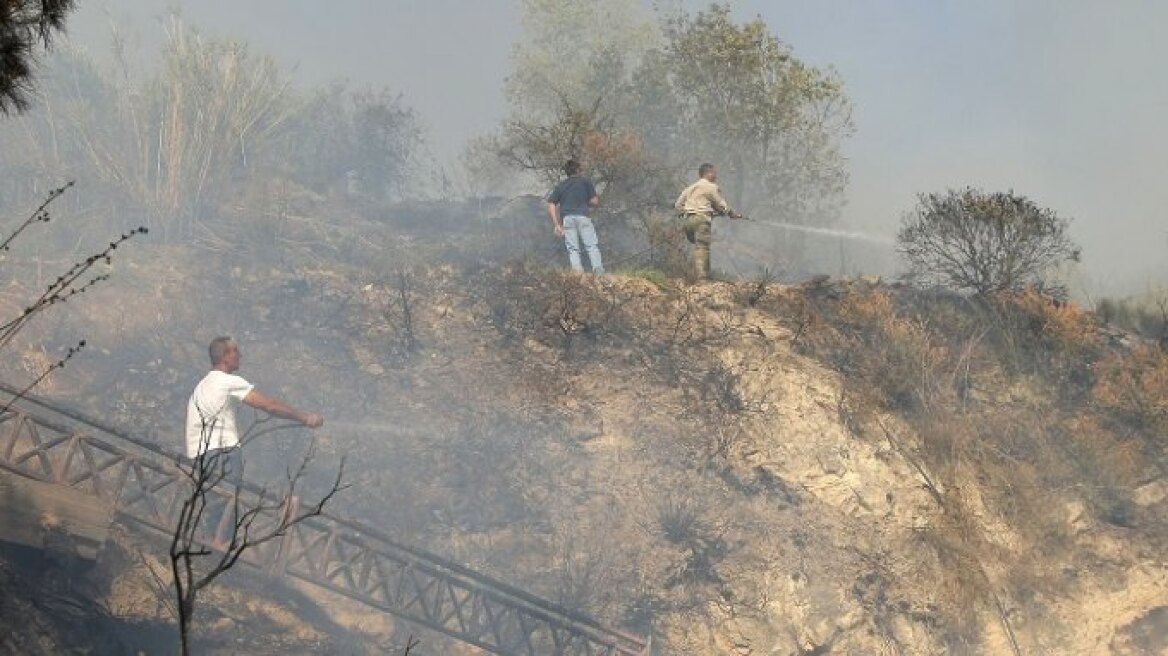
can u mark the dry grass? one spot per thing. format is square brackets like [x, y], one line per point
[1037, 335]
[1132, 394]
[1133, 389]
[865, 337]
[1019, 411]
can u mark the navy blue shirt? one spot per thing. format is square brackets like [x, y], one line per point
[572, 195]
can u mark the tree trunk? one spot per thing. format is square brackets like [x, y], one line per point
[185, 613]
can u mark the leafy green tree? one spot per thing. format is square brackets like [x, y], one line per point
[567, 99]
[613, 154]
[565, 94]
[575, 53]
[742, 99]
[984, 242]
[641, 105]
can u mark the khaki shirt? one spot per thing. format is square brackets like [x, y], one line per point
[702, 197]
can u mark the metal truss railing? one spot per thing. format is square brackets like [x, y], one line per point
[144, 484]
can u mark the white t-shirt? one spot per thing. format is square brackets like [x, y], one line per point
[212, 408]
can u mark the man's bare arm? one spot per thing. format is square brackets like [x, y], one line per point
[554, 213]
[594, 201]
[278, 408]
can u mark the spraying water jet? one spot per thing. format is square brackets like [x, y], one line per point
[831, 232]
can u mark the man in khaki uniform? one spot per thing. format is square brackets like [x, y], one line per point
[698, 204]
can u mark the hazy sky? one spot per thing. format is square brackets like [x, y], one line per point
[1062, 100]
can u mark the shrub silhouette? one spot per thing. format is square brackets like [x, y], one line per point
[984, 242]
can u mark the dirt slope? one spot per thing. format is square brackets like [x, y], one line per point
[667, 459]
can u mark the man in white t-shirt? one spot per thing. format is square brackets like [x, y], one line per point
[212, 426]
[211, 411]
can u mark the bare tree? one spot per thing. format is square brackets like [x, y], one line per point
[77, 279]
[985, 242]
[194, 564]
[25, 26]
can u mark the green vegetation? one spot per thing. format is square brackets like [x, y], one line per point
[643, 104]
[655, 276]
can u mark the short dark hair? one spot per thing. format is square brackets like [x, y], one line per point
[571, 167]
[704, 169]
[219, 348]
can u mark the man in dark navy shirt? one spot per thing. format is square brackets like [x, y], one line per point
[569, 205]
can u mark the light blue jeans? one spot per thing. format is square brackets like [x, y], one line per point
[580, 229]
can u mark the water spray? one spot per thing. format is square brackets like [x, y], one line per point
[344, 426]
[831, 232]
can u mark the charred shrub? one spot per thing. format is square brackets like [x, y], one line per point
[678, 520]
[554, 306]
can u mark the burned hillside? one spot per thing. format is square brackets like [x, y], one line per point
[729, 466]
[769, 423]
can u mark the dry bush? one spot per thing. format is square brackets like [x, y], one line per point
[198, 125]
[1132, 392]
[400, 313]
[998, 465]
[1133, 389]
[1002, 478]
[678, 519]
[984, 242]
[682, 524]
[173, 143]
[897, 357]
[667, 250]
[755, 291]
[553, 306]
[715, 405]
[596, 564]
[1036, 334]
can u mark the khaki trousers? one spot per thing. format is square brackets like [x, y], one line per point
[698, 230]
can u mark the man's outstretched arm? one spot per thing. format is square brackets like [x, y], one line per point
[721, 206]
[280, 409]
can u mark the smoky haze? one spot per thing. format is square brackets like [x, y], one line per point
[622, 445]
[1057, 101]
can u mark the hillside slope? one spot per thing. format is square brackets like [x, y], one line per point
[736, 468]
